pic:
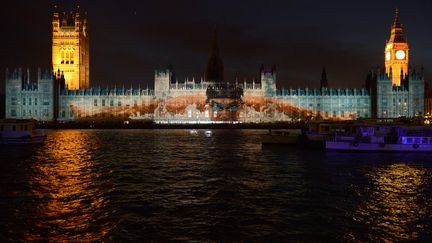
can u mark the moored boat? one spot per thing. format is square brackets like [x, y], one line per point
[383, 138]
[20, 132]
[282, 136]
[317, 133]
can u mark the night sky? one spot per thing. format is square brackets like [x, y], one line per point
[128, 39]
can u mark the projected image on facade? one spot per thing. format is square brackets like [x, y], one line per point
[392, 91]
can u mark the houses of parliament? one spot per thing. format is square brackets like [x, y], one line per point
[64, 93]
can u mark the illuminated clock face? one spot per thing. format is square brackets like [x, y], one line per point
[388, 55]
[400, 54]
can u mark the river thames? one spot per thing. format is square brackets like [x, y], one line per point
[171, 185]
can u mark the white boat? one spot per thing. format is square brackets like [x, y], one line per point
[20, 132]
[318, 132]
[384, 138]
[282, 136]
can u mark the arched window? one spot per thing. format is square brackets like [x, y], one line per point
[72, 57]
[67, 57]
[62, 56]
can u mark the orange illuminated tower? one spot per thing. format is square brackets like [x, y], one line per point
[70, 48]
[396, 53]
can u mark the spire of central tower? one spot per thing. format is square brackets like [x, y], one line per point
[323, 81]
[397, 35]
[214, 72]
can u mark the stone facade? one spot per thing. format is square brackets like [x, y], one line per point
[400, 101]
[67, 96]
[174, 102]
[27, 100]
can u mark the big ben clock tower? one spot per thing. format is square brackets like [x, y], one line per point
[396, 53]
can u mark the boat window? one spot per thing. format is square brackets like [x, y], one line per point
[416, 140]
[409, 140]
[13, 128]
[25, 127]
[425, 140]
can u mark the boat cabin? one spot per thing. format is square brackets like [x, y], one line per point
[16, 125]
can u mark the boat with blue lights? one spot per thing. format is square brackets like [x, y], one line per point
[382, 138]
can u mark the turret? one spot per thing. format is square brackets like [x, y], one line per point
[77, 19]
[55, 20]
[416, 88]
[162, 80]
[13, 92]
[268, 82]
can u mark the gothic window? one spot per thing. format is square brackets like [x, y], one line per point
[67, 57]
[72, 57]
[62, 56]
[95, 102]
[35, 101]
[24, 101]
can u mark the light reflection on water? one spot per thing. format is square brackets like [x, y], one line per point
[69, 199]
[160, 185]
[396, 206]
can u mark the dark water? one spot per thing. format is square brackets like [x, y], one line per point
[163, 185]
